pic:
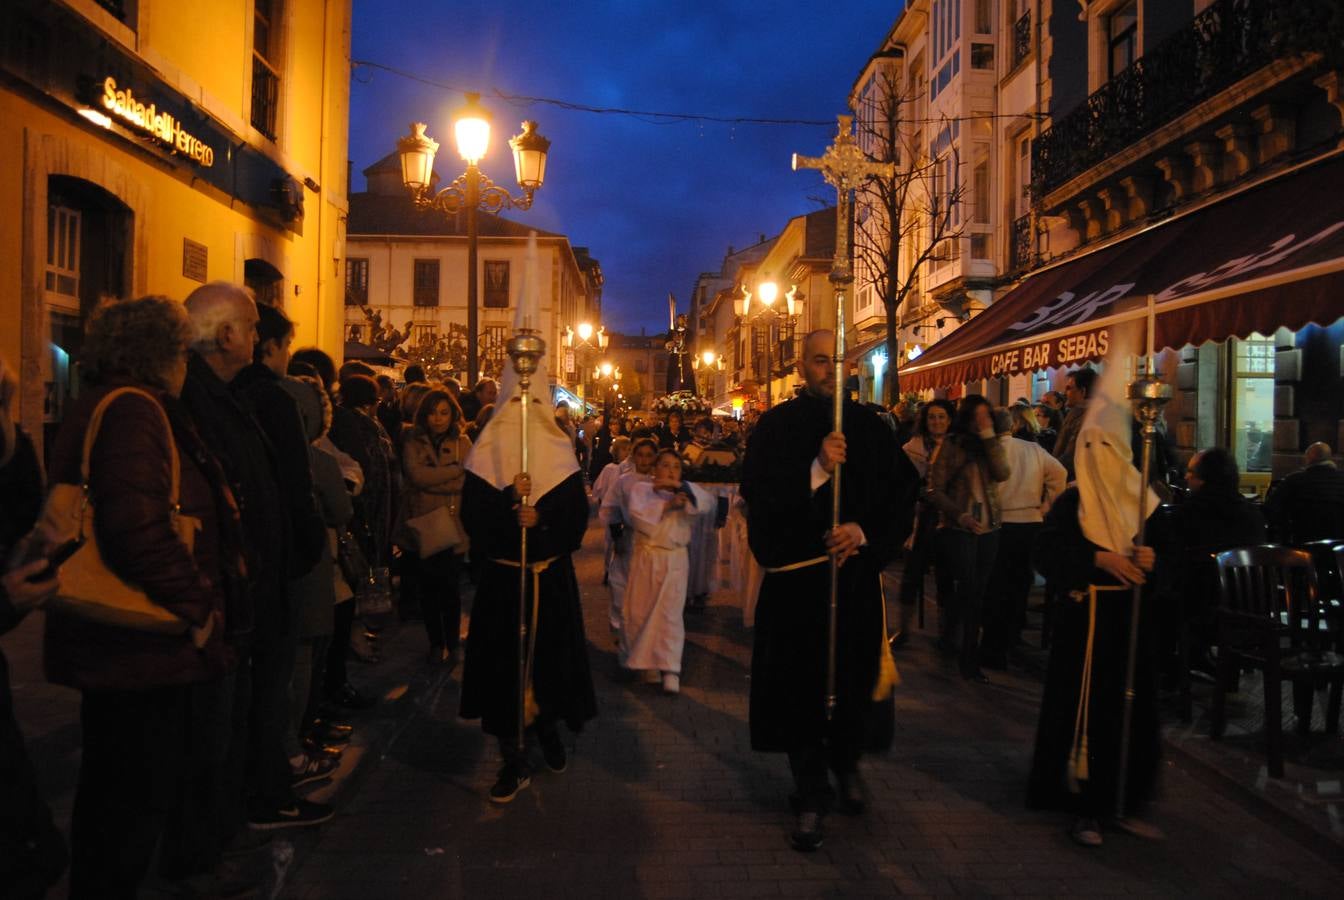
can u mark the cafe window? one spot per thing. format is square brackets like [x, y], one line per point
[496, 284]
[1253, 402]
[425, 283]
[356, 282]
[266, 65]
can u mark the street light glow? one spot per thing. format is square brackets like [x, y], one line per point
[709, 356]
[768, 292]
[471, 126]
[605, 369]
[585, 331]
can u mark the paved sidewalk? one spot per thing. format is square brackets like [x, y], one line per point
[664, 798]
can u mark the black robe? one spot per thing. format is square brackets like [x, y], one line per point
[561, 679]
[1064, 556]
[786, 523]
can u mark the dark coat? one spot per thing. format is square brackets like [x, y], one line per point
[561, 677]
[365, 440]
[1207, 522]
[32, 850]
[129, 485]
[1065, 557]
[1308, 505]
[248, 458]
[274, 408]
[786, 523]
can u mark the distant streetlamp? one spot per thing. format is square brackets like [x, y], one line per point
[607, 376]
[471, 190]
[710, 363]
[767, 292]
[585, 339]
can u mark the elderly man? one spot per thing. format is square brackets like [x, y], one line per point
[1309, 504]
[484, 393]
[225, 318]
[787, 484]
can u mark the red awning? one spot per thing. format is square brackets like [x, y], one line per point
[1269, 257]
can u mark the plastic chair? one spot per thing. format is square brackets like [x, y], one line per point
[1270, 618]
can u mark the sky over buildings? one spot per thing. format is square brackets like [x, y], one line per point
[656, 201]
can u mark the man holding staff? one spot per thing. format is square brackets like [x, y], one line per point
[788, 473]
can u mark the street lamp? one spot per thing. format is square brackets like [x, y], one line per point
[767, 292]
[708, 362]
[611, 374]
[472, 190]
[585, 339]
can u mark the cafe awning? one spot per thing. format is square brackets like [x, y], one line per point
[1268, 257]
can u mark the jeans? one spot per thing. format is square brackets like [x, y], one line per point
[1009, 584]
[971, 557]
[310, 663]
[441, 598]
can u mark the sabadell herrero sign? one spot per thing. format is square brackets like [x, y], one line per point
[122, 103]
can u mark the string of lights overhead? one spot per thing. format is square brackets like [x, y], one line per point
[652, 117]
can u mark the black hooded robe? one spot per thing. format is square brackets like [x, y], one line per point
[786, 523]
[561, 678]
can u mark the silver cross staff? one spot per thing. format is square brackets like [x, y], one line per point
[845, 167]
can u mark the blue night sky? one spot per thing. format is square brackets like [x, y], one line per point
[656, 203]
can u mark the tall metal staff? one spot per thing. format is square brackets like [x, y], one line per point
[1149, 395]
[525, 351]
[845, 168]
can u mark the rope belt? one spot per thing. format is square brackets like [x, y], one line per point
[793, 567]
[1078, 766]
[530, 708]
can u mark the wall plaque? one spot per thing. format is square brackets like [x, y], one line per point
[194, 258]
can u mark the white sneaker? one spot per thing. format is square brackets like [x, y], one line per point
[671, 683]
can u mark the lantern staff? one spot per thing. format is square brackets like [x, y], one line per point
[845, 167]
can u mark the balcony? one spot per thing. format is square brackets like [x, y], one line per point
[1222, 45]
[1021, 39]
[1021, 249]
[265, 96]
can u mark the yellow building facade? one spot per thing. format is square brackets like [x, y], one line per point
[150, 146]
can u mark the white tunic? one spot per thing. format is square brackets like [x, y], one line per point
[612, 512]
[655, 596]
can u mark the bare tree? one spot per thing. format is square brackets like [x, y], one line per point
[917, 212]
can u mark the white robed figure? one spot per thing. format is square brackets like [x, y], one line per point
[663, 514]
[612, 514]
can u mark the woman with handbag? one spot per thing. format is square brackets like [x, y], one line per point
[432, 461]
[164, 525]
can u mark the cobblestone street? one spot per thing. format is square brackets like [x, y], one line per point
[664, 798]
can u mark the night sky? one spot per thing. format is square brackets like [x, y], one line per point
[656, 202]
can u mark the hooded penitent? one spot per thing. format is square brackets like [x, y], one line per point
[497, 455]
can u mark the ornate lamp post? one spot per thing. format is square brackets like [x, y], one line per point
[710, 363]
[607, 377]
[585, 339]
[472, 190]
[767, 292]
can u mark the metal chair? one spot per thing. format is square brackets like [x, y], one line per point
[1270, 618]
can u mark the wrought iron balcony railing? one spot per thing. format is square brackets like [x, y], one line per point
[1021, 250]
[265, 97]
[1021, 38]
[1224, 43]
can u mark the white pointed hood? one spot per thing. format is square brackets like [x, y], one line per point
[1108, 483]
[497, 454]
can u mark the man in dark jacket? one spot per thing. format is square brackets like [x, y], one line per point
[225, 319]
[1309, 504]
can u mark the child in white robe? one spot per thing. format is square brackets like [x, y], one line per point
[611, 514]
[663, 514]
[610, 474]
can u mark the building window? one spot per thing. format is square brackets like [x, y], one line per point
[496, 284]
[62, 275]
[1021, 37]
[424, 334]
[641, 365]
[1122, 36]
[982, 56]
[425, 283]
[494, 350]
[356, 282]
[984, 16]
[265, 66]
[122, 10]
[265, 281]
[1023, 165]
[1253, 402]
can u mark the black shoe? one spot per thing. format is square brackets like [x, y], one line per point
[553, 751]
[512, 779]
[298, 813]
[852, 798]
[349, 698]
[313, 768]
[806, 837]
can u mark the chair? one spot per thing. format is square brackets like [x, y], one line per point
[1270, 618]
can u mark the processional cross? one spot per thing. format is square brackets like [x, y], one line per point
[845, 167]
